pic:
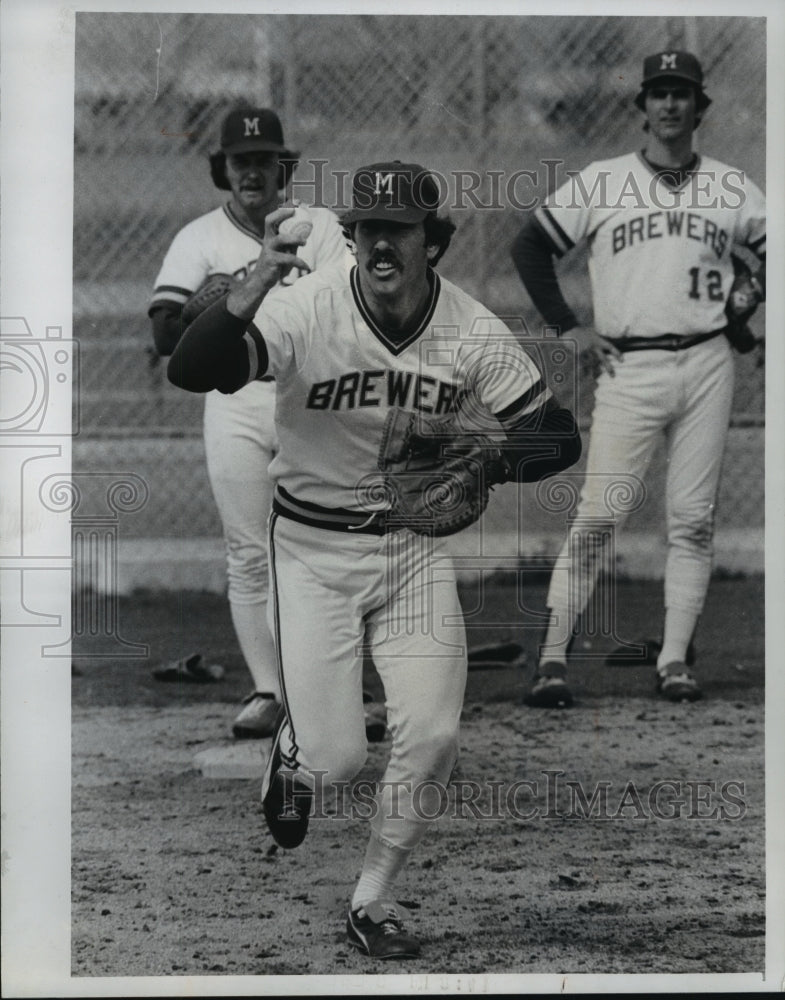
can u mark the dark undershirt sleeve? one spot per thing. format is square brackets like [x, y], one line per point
[532, 253]
[542, 443]
[167, 326]
[212, 353]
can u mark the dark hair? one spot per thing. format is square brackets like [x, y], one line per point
[438, 232]
[286, 167]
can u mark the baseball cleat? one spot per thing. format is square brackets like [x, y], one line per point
[375, 719]
[549, 689]
[676, 683]
[286, 802]
[259, 717]
[377, 930]
[189, 670]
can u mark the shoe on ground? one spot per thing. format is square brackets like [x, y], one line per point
[377, 930]
[676, 683]
[375, 719]
[549, 688]
[189, 670]
[259, 717]
[286, 802]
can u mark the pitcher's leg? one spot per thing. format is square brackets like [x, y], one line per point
[319, 630]
[419, 646]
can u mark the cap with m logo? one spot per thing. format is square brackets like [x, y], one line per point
[399, 192]
[247, 129]
[673, 64]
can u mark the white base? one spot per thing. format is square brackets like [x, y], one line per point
[243, 760]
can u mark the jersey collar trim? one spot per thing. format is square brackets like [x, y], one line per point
[396, 347]
[689, 173]
[240, 225]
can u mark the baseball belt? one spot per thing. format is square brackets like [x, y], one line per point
[331, 518]
[664, 341]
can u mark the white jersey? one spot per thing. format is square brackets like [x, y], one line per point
[219, 243]
[338, 375]
[659, 256]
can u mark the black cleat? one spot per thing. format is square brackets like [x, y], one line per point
[549, 689]
[676, 683]
[286, 802]
[377, 930]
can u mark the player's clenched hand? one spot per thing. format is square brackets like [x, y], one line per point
[277, 258]
[597, 353]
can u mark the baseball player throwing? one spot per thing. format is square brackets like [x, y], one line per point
[660, 224]
[239, 433]
[360, 362]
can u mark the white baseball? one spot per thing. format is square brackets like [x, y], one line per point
[298, 225]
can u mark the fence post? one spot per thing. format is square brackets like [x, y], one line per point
[478, 50]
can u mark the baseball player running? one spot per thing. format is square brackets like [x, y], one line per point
[660, 226]
[355, 357]
[254, 163]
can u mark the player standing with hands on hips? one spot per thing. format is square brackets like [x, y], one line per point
[661, 224]
[388, 365]
[205, 258]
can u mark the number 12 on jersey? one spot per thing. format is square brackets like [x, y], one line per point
[713, 284]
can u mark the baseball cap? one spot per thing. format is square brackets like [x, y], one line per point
[400, 192]
[674, 64]
[246, 129]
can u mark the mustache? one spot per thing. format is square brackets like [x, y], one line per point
[383, 257]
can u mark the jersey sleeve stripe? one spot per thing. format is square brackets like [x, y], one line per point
[170, 293]
[258, 358]
[172, 289]
[559, 240]
[758, 246]
[531, 400]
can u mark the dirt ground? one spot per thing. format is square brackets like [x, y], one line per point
[174, 874]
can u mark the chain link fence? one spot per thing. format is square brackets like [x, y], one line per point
[489, 95]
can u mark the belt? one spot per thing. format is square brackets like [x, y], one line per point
[664, 341]
[266, 378]
[332, 518]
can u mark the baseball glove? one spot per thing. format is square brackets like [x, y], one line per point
[745, 295]
[437, 474]
[212, 288]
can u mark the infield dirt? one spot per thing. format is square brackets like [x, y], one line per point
[174, 874]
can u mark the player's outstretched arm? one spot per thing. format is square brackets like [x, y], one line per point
[274, 263]
[542, 443]
[213, 353]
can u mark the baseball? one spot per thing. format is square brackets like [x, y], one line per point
[298, 225]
